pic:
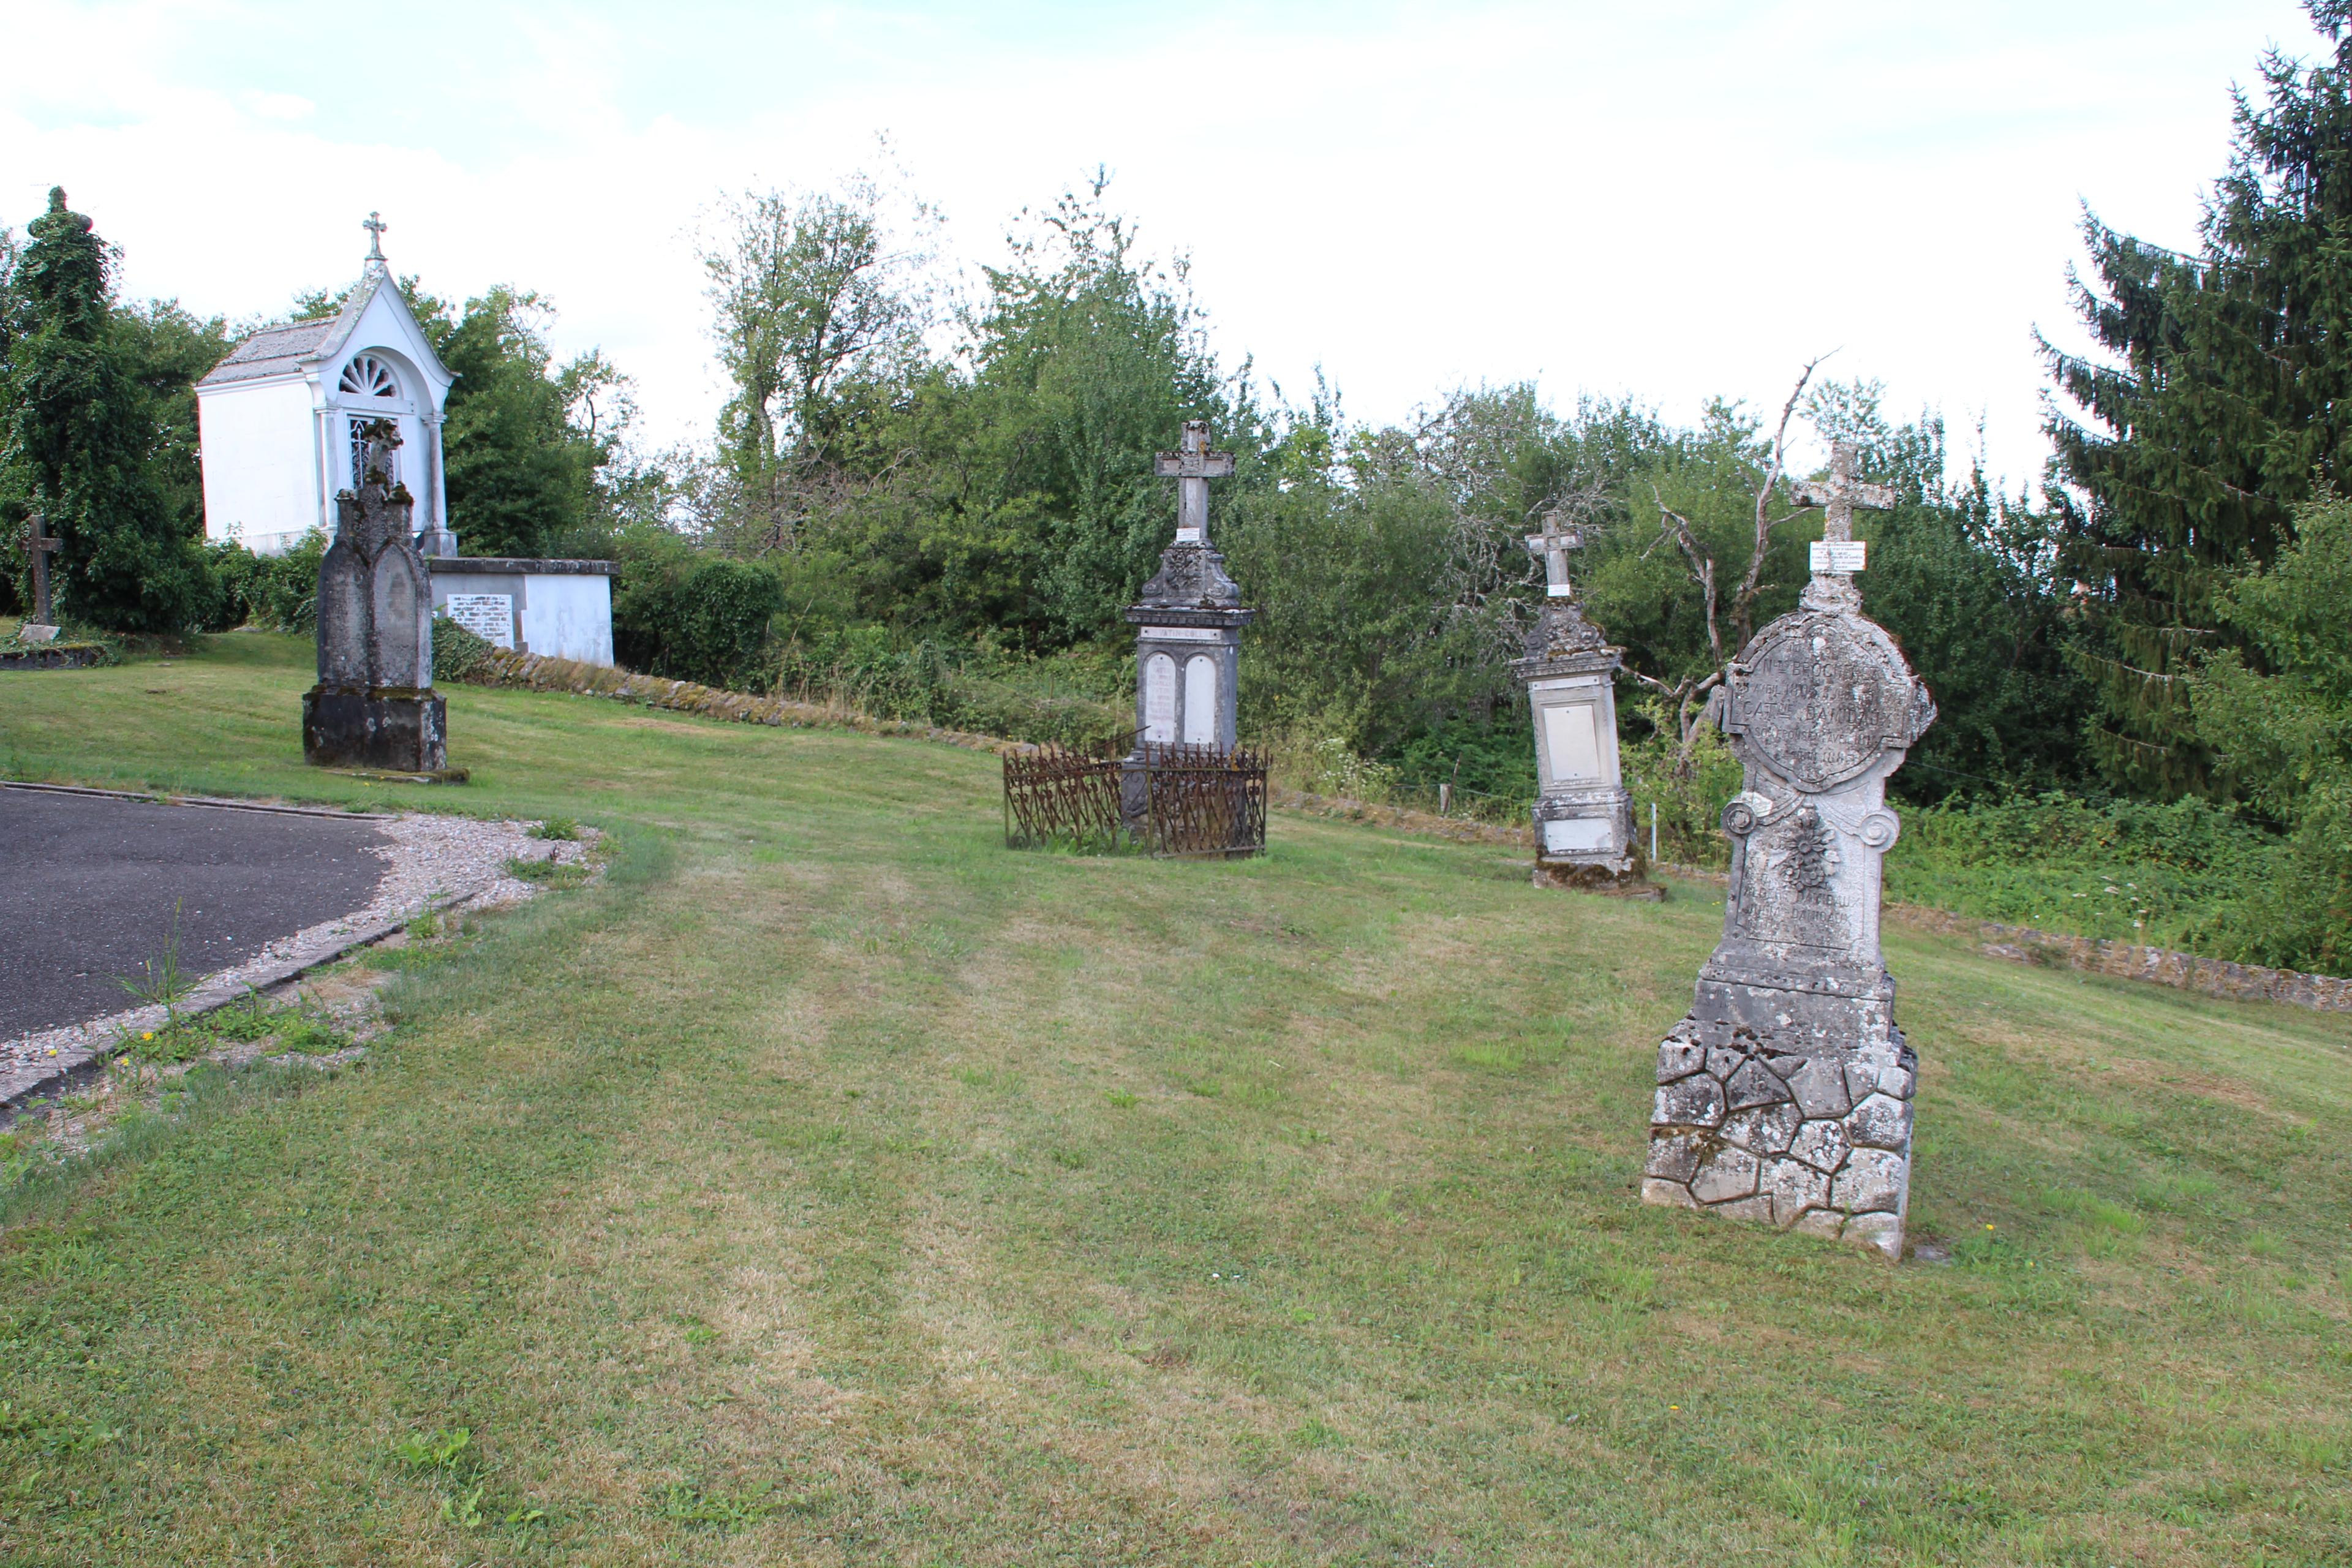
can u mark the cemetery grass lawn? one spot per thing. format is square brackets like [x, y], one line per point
[831, 1185]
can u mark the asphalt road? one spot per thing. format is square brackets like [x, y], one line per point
[90, 887]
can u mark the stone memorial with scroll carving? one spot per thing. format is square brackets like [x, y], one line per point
[374, 706]
[1786, 1095]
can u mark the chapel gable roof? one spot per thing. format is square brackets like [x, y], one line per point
[273, 351]
[282, 350]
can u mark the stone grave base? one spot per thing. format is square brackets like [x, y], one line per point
[1626, 884]
[1816, 1139]
[397, 730]
[54, 655]
[393, 775]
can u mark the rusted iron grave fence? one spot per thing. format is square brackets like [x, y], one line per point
[1111, 794]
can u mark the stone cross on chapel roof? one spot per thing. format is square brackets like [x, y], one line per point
[1843, 494]
[1559, 537]
[375, 225]
[1193, 468]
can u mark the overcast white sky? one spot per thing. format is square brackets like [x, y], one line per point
[1668, 199]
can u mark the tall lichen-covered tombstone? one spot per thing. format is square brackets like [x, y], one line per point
[1786, 1095]
[374, 706]
[1583, 817]
[1188, 623]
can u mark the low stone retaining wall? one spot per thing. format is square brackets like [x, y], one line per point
[2158, 966]
[2123, 960]
[540, 672]
[56, 656]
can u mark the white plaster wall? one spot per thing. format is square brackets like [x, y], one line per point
[570, 616]
[261, 466]
[563, 614]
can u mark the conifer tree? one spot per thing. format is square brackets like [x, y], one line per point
[78, 438]
[2228, 400]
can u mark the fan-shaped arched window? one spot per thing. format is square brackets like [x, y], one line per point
[368, 376]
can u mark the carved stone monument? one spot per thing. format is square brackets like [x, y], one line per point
[1583, 817]
[1786, 1095]
[374, 706]
[1188, 621]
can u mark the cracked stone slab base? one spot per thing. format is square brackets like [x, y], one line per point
[1816, 1141]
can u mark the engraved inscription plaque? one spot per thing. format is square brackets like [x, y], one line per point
[490, 616]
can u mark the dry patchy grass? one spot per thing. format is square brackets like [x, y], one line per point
[833, 1186]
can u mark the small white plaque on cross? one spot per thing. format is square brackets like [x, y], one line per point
[1552, 545]
[1192, 468]
[1839, 553]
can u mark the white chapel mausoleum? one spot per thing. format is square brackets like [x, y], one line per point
[279, 421]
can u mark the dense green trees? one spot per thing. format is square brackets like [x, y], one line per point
[85, 441]
[2279, 715]
[2227, 400]
[522, 472]
[989, 496]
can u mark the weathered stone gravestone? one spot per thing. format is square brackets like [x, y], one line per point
[1189, 619]
[1786, 1095]
[374, 706]
[42, 624]
[1583, 817]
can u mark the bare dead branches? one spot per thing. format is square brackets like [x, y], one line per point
[1743, 603]
[1687, 694]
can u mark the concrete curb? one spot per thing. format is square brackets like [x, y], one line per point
[158, 797]
[88, 1046]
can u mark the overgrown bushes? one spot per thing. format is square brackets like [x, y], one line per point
[694, 616]
[276, 593]
[2186, 875]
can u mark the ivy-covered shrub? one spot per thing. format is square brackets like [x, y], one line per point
[458, 653]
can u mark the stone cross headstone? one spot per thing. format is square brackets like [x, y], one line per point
[39, 547]
[1552, 547]
[1837, 552]
[374, 705]
[1192, 466]
[1785, 1095]
[1584, 815]
[1188, 619]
